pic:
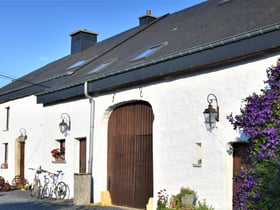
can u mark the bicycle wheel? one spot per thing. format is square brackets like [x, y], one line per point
[32, 192]
[60, 190]
[45, 191]
[37, 189]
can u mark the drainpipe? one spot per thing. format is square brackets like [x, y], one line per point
[92, 107]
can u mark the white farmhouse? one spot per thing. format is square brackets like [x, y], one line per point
[134, 104]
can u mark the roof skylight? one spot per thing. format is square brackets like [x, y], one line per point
[71, 69]
[77, 64]
[223, 2]
[148, 52]
[101, 67]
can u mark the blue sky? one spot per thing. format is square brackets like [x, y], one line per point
[36, 32]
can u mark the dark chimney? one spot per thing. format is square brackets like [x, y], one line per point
[147, 18]
[81, 40]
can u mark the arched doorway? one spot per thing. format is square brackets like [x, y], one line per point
[130, 155]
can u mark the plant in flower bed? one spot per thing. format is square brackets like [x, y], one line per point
[203, 206]
[162, 201]
[175, 201]
[258, 186]
[58, 153]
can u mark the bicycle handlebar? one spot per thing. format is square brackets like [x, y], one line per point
[40, 170]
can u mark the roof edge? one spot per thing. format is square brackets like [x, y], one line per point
[189, 51]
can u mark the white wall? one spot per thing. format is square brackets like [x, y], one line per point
[178, 125]
[41, 125]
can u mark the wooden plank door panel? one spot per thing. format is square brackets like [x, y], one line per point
[129, 155]
[143, 166]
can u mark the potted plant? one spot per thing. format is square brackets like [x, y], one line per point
[58, 154]
[186, 198]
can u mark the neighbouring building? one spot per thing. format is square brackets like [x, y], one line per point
[134, 103]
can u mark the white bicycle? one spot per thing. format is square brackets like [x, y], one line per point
[54, 187]
[36, 185]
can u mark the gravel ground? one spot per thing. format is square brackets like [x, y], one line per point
[21, 200]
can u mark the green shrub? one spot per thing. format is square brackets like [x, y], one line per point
[203, 206]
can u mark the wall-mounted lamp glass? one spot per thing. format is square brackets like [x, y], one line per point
[65, 124]
[22, 137]
[211, 115]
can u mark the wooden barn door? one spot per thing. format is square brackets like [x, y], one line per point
[130, 155]
[239, 155]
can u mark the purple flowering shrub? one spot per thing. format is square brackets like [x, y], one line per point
[258, 187]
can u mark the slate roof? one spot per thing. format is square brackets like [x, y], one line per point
[195, 39]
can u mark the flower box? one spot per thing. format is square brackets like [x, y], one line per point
[58, 154]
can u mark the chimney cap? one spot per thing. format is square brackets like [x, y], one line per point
[148, 14]
[83, 31]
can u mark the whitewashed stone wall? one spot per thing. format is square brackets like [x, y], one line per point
[41, 125]
[178, 107]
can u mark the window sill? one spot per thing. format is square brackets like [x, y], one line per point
[196, 165]
[58, 161]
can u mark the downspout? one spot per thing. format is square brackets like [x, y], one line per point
[91, 130]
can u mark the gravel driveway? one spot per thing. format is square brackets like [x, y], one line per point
[21, 200]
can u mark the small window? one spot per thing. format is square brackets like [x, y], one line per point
[59, 151]
[148, 52]
[6, 152]
[7, 118]
[198, 155]
[61, 143]
[4, 165]
[102, 66]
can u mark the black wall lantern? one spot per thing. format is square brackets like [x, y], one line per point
[211, 115]
[22, 137]
[65, 124]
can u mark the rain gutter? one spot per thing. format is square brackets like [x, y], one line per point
[178, 54]
[197, 49]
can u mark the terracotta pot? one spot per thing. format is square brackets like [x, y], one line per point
[59, 159]
[6, 187]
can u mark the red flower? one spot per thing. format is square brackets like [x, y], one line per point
[58, 152]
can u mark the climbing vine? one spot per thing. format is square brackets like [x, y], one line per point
[259, 119]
